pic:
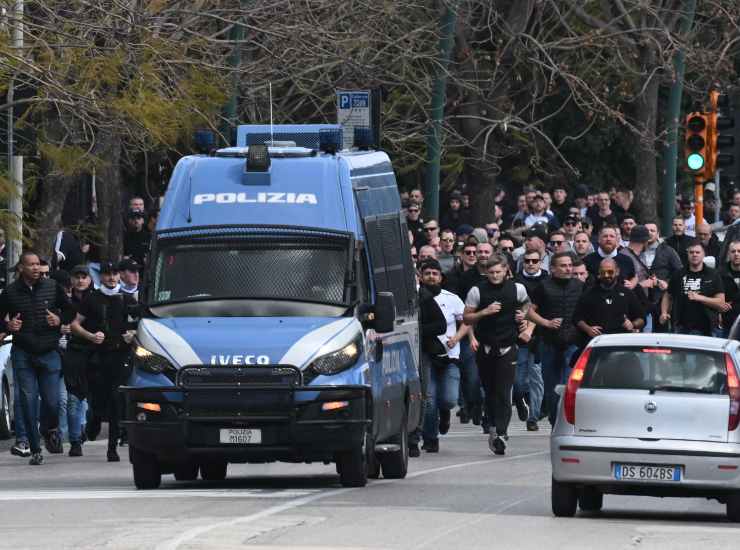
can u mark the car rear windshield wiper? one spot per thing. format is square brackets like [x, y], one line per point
[684, 389]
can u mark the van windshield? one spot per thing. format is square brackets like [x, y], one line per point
[268, 272]
[656, 368]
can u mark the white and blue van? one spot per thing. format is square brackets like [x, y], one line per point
[280, 319]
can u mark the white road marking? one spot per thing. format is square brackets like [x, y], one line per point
[184, 492]
[191, 534]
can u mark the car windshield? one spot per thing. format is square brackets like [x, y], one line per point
[656, 369]
[265, 271]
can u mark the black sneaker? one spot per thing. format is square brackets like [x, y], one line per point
[37, 459]
[476, 416]
[113, 456]
[485, 425]
[92, 428]
[532, 426]
[53, 442]
[444, 421]
[75, 449]
[414, 451]
[496, 444]
[464, 416]
[431, 445]
[521, 409]
[21, 449]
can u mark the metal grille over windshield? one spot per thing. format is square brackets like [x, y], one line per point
[265, 266]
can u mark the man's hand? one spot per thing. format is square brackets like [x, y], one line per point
[492, 309]
[594, 331]
[15, 324]
[627, 324]
[66, 329]
[664, 318]
[525, 336]
[662, 285]
[555, 324]
[519, 316]
[648, 283]
[128, 336]
[98, 338]
[694, 296]
[474, 344]
[630, 283]
[52, 319]
[725, 307]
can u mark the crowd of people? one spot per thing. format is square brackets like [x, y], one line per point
[522, 294]
[72, 319]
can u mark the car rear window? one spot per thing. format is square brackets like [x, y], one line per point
[658, 368]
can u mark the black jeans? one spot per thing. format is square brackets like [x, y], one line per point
[497, 374]
[107, 371]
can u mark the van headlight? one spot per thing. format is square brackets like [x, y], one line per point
[142, 358]
[339, 360]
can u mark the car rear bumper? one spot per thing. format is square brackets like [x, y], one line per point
[707, 468]
[294, 424]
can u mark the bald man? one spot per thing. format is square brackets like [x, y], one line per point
[608, 307]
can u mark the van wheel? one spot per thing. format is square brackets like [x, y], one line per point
[5, 424]
[187, 471]
[733, 507]
[147, 474]
[564, 499]
[353, 466]
[214, 471]
[373, 462]
[396, 464]
[590, 499]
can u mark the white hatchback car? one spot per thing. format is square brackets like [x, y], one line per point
[6, 389]
[649, 414]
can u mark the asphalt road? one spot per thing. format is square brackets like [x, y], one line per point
[463, 497]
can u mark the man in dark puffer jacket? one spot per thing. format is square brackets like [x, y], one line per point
[36, 308]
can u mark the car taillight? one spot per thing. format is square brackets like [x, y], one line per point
[574, 382]
[733, 387]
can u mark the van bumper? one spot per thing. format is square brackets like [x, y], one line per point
[296, 423]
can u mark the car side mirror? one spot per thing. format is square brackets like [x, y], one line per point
[385, 312]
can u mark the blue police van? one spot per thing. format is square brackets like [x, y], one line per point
[281, 315]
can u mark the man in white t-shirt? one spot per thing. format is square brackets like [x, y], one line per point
[441, 369]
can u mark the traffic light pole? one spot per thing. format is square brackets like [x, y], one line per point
[698, 199]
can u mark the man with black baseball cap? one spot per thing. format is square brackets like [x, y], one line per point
[129, 271]
[136, 238]
[100, 345]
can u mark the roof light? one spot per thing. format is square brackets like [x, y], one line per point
[363, 138]
[258, 158]
[330, 140]
[204, 141]
[665, 351]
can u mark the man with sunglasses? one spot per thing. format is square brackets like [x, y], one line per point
[446, 254]
[558, 242]
[431, 233]
[415, 224]
[492, 230]
[570, 228]
[528, 385]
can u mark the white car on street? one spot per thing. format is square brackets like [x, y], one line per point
[649, 414]
[6, 390]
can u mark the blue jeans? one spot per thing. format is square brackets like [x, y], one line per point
[21, 434]
[38, 376]
[529, 380]
[443, 387]
[469, 379]
[71, 413]
[555, 370]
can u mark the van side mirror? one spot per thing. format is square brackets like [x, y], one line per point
[385, 312]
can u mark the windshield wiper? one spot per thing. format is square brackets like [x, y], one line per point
[681, 389]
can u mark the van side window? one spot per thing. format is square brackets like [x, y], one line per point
[391, 259]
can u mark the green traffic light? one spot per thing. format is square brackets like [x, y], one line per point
[695, 161]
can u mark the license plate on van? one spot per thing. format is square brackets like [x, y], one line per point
[240, 436]
[646, 472]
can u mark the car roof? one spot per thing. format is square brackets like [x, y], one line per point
[667, 340]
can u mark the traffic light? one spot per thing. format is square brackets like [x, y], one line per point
[728, 140]
[696, 145]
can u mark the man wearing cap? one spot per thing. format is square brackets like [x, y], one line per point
[101, 337]
[569, 229]
[129, 272]
[539, 213]
[560, 203]
[136, 238]
[535, 239]
[456, 215]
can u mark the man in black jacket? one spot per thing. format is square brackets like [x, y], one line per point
[36, 308]
[492, 307]
[432, 324]
[100, 346]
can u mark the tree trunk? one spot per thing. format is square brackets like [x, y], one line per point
[646, 171]
[108, 182]
[49, 214]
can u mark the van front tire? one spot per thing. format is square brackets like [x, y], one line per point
[396, 464]
[352, 465]
[147, 473]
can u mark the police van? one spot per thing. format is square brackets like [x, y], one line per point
[280, 319]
